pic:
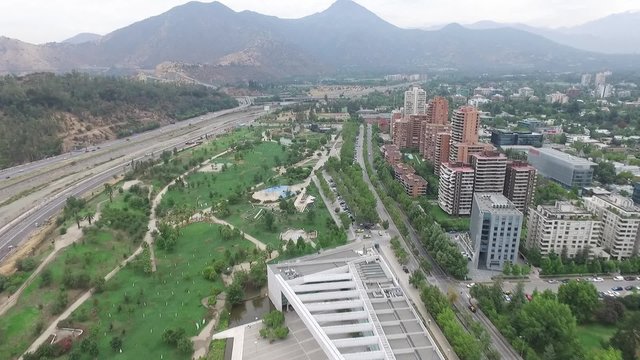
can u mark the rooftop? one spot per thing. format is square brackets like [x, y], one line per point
[495, 203]
[575, 160]
[353, 306]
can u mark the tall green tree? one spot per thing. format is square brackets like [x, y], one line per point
[582, 298]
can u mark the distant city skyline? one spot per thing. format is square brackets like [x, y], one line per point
[41, 21]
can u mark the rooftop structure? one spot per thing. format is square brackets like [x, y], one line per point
[352, 305]
[505, 138]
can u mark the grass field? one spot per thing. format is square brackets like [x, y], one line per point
[206, 188]
[138, 307]
[590, 336]
[448, 222]
[96, 255]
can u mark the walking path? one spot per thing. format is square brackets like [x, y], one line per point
[73, 234]
[148, 239]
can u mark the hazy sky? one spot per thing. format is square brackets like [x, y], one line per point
[39, 21]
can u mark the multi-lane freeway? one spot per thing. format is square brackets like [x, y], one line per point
[46, 184]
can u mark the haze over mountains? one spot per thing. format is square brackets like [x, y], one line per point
[613, 34]
[214, 44]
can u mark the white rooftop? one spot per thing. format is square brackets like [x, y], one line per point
[353, 306]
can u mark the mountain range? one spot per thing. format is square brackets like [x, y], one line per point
[613, 34]
[211, 43]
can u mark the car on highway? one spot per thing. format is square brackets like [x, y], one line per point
[472, 308]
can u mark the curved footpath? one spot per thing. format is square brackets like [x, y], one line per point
[148, 239]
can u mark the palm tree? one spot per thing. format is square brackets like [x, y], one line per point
[78, 219]
[89, 217]
[108, 189]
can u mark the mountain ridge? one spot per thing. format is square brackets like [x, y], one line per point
[346, 38]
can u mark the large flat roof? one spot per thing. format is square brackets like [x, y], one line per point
[562, 156]
[353, 306]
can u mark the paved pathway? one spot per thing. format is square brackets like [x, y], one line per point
[147, 239]
[73, 234]
[237, 333]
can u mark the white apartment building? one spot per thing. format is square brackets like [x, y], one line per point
[620, 222]
[415, 101]
[551, 228]
[455, 191]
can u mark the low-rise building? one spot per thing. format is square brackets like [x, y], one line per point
[495, 230]
[507, 138]
[414, 185]
[568, 170]
[391, 154]
[620, 220]
[552, 228]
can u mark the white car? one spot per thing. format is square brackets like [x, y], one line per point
[470, 285]
[598, 279]
[618, 278]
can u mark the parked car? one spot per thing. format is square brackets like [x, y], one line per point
[552, 281]
[628, 287]
[472, 308]
[470, 285]
[630, 278]
[405, 269]
[618, 278]
[617, 288]
[598, 279]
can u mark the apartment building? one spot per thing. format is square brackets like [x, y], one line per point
[520, 184]
[414, 185]
[443, 147]
[455, 191]
[415, 101]
[551, 228]
[620, 223]
[489, 172]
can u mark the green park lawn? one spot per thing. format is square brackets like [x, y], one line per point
[242, 216]
[95, 255]
[449, 222]
[205, 188]
[590, 336]
[138, 307]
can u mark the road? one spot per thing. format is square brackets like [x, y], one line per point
[438, 277]
[145, 146]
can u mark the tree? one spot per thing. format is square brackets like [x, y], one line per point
[185, 345]
[544, 321]
[269, 220]
[627, 338]
[582, 298]
[235, 293]
[385, 224]
[45, 277]
[506, 268]
[605, 354]
[78, 218]
[416, 278]
[605, 172]
[115, 343]
[610, 311]
[108, 190]
[89, 217]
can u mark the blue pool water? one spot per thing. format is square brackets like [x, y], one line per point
[282, 190]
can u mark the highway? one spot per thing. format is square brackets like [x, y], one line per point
[438, 276]
[96, 168]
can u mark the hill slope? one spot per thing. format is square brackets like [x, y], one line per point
[44, 114]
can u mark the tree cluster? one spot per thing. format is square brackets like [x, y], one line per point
[273, 327]
[33, 107]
